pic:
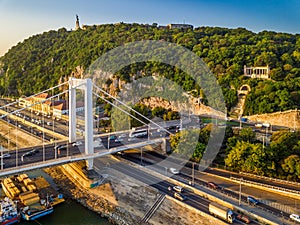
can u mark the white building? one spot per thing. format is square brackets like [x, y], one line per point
[262, 72]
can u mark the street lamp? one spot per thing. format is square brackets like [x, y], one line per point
[141, 156]
[17, 144]
[240, 192]
[193, 173]
[43, 137]
[1, 158]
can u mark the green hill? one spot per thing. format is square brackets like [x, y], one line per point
[41, 61]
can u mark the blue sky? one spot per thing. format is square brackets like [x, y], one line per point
[20, 19]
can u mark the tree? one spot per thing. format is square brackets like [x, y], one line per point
[291, 166]
[247, 157]
[247, 135]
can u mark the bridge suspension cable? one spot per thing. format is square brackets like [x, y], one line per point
[42, 101]
[128, 107]
[15, 102]
[120, 109]
[29, 106]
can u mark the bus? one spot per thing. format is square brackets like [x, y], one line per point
[138, 133]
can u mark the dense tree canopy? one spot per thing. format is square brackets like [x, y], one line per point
[42, 60]
[279, 159]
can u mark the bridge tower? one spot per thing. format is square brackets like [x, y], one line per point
[86, 86]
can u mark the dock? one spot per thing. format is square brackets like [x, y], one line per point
[30, 191]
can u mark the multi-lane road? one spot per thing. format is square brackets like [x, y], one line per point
[153, 160]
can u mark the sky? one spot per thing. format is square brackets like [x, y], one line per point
[20, 19]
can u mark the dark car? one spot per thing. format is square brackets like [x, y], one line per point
[252, 200]
[212, 185]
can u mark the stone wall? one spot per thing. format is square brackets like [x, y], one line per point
[290, 118]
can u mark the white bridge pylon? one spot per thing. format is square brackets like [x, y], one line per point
[86, 85]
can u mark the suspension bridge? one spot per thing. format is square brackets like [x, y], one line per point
[61, 142]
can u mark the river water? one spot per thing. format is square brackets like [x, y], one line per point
[67, 213]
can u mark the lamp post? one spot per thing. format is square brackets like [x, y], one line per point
[266, 136]
[17, 145]
[240, 192]
[141, 156]
[43, 137]
[108, 141]
[1, 158]
[193, 173]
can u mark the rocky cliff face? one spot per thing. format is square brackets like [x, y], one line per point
[193, 106]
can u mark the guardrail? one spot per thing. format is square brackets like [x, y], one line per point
[289, 191]
[270, 178]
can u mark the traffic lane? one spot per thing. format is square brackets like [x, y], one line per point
[232, 187]
[30, 129]
[263, 181]
[193, 199]
[43, 154]
[220, 188]
[61, 126]
[161, 185]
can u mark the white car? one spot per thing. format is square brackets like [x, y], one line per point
[295, 217]
[77, 143]
[174, 171]
[178, 188]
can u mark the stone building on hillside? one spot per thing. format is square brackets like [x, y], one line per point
[262, 72]
[179, 26]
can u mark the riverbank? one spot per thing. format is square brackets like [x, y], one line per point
[124, 200]
[100, 200]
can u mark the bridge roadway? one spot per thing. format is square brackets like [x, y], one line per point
[46, 155]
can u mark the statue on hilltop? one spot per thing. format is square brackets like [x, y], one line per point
[77, 23]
